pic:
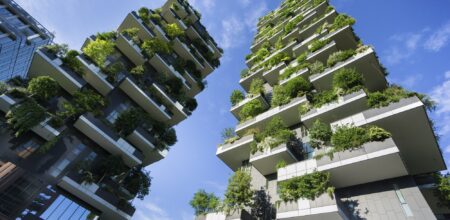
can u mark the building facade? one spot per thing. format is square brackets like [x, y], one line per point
[322, 131]
[79, 130]
[20, 37]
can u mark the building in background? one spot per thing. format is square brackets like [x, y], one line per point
[79, 130]
[322, 131]
[20, 37]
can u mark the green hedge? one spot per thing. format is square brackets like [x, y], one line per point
[251, 109]
[296, 87]
[236, 97]
[309, 186]
[351, 138]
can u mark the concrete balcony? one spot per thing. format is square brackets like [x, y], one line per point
[344, 37]
[178, 111]
[207, 68]
[411, 129]
[308, 31]
[301, 73]
[372, 162]
[130, 49]
[324, 208]
[171, 16]
[272, 75]
[302, 47]
[163, 66]
[246, 81]
[6, 102]
[308, 17]
[323, 53]
[134, 21]
[365, 63]
[95, 77]
[288, 113]
[105, 137]
[343, 107]
[146, 100]
[95, 197]
[193, 34]
[184, 51]
[146, 143]
[265, 162]
[46, 131]
[235, 153]
[49, 65]
[235, 110]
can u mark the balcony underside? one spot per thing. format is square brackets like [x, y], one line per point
[151, 154]
[266, 162]
[234, 154]
[245, 82]
[131, 21]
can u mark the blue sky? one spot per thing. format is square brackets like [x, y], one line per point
[410, 36]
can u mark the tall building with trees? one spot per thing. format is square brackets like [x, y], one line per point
[321, 133]
[79, 130]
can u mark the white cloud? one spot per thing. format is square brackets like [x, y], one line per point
[447, 75]
[151, 211]
[438, 39]
[441, 95]
[204, 5]
[404, 46]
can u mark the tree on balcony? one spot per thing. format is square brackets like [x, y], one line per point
[443, 189]
[137, 181]
[320, 134]
[128, 121]
[239, 193]
[339, 56]
[57, 49]
[70, 60]
[257, 87]
[273, 134]
[347, 81]
[395, 93]
[204, 203]
[156, 45]
[236, 97]
[173, 31]
[133, 34]
[350, 138]
[99, 50]
[251, 109]
[229, 136]
[43, 87]
[318, 44]
[309, 186]
[296, 87]
[84, 101]
[21, 118]
[138, 71]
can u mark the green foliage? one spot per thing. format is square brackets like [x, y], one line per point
[394, 94]
[281, 164]
[443, 189]
[239, 193]
[318, 2]
[156, 45]
[321, 98]
[190, 104]
[339, 56]
[137, 182]
[289, 71]
[99, 50]
[295, 87]
[256, 87]
[128, 121]
[236, 97]
[57, 49]
[84, 101]
[251, 109]
[316, 67]
[173, 30]
[133, 34]
[228, 133]
[292, 24]
[244, 73]
[320, 134]
[340, 21]
[71, 61]
[21, 118]
[279, 44]
[144, 13]
[3, 88]
[47, 146]
[347, 81]
[261, 54]
[309, 186]
[43, 87]
[350, 138]
[204, 203]
[113, 71]
[275, 60]
[138, 71]
[56, 121]
[318, 44]
[274, 134]
[107, 36]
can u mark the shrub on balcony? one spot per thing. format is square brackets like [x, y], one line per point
[292, 24]
[316, 68]
[346, 81]
[350, 138]
[274, 134]
[292, 70]
[341, 21]
[166, 135]
[275, 60]
[244, 73]
[133, 34]
[229, 136]
[21, 118]
[256, 87]
[319, 99]
[204, 203]
[57, 49]
[156, 45]
[320, 134]
[83, 102]
[173, 30]
[251, 109]
[340, 56]
[261, 54]
[318, 44]
[394, 94]
[281, 164]
[107, 36]
[47, 146]
[128, 121]
[137, 182]
[3, 88]
[56, 121]
[144, 13]
[239, 193]
[190, 104]
[43, 87]
[309, 186]
[236, 97]
[296, 87]
[70, 60]
[99, 50]
[442, 190]
[138, 71]
[113, 70]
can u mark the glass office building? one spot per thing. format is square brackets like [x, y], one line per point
[20, 36]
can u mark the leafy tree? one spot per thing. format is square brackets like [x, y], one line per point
[236, 97]
[251, 109]
[71, 61]
[84, 101]
[443, 189]
[43, 87]
[156, 45]
[238, 194]
[173, 30]
[347, 81]
[137, 182]
[191, 104]
[99, 50]
[21, 118]
[349, 138]
[57, 49]
[128, 121]
[138, 71]
[257, 87]
[204, 203]
[309, 186]
[261, 208]
[295, 87]
[133, 34]
[320, 134]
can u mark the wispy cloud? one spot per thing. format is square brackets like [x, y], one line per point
[206, 6]
[441, 95]
[404, 46]
[438, 39]
[151, 211]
